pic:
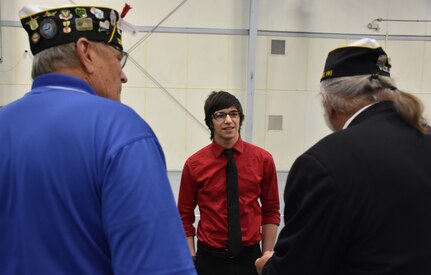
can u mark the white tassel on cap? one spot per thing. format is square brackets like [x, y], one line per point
[366, 42]
[31, 9]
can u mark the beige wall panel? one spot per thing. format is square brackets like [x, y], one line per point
[197, 133]
[148, 12]
[151, 12]
[340, 16]
[289, 71]
[407, 64]
[416, 10]
[335, 16]
[168, 59]
[426, 73]
[263, 47]
[223, 14]
[303, 124]
[196, 138]
[227, 14]
[237, 63]
[281, 15]
[16, 65]
[167, 120]
[208, 62]
[136, 77]
[287, 144]
[260, 119]
[15, 70]
[172, 51]
[199, 14]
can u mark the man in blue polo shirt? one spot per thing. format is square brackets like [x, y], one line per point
[83, 183]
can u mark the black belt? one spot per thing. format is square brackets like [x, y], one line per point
[221, 253]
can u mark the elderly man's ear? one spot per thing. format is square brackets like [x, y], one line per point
[86, 53]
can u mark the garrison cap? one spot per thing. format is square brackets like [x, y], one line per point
[362, 57]
[49, 27]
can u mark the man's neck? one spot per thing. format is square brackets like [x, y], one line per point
[226, 143]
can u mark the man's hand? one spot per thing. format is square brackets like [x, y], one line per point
[260, 262]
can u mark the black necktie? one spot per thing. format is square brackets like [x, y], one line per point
[234, 221]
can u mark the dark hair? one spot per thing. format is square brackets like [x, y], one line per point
[217, 101]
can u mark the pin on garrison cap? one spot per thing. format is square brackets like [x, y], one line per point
[49, 27]
[362, 57]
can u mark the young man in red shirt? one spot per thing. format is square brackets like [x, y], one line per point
[203, 184]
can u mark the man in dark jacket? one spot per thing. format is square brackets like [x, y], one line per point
[358, 202]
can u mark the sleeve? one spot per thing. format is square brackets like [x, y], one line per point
[187, 200]
[139, 214]
[312, 237]
[269, 194]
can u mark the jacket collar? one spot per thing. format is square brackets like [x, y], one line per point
[381, 107]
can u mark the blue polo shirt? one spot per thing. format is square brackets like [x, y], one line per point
[83, 187]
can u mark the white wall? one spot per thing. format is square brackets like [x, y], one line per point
[189, 66]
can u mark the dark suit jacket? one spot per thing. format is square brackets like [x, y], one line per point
[359, 202]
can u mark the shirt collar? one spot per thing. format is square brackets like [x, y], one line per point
[218, 149]
[62, 81]
[355, 115]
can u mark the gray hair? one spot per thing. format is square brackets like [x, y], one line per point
[345, 94]
[54, 58]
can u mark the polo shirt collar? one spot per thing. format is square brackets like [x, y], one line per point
[62, 82]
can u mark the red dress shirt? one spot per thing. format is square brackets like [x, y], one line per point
[203, 183]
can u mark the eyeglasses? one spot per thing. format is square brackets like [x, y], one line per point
[222, 115]
[124, 56]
